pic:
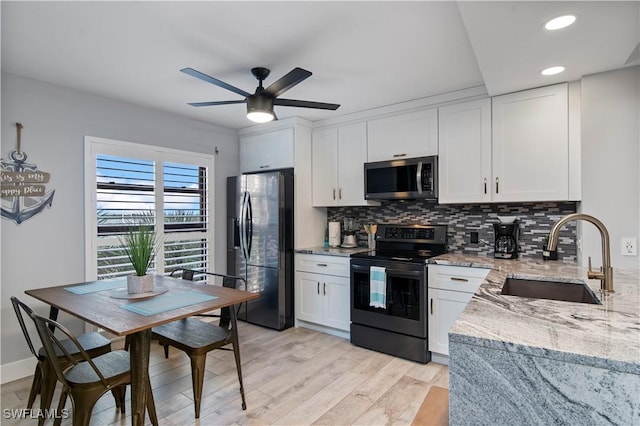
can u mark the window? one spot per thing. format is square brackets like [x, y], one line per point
[130, 184]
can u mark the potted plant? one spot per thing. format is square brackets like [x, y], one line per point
[139, 244]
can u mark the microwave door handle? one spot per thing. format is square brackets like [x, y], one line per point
[419, 177]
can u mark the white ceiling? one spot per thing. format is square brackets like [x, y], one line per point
[362, 54]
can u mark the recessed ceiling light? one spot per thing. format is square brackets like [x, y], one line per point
[552, 70]
[560, 22]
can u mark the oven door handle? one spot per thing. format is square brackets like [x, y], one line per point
[390, 271]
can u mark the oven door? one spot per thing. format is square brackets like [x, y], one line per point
[406, 302]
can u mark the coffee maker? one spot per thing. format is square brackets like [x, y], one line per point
[507, 238]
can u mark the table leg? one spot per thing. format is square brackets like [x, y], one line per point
[140, 348]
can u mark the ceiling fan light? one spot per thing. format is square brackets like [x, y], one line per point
[559, 22]
[260, 116]
[259, 109]
[552, 70]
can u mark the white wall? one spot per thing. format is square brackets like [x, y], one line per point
[610, 162]
[49, 248]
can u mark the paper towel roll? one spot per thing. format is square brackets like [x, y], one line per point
[334, 234]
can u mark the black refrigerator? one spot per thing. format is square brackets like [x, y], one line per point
[260, 244]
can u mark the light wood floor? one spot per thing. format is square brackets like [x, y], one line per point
[293, 377]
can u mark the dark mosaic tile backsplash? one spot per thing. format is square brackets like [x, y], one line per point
[536, 220]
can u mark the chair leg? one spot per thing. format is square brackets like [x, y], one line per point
[48, 385]
[61, 404]
[83, 402]
[197, 379]
[127, 342]
[36, 386]
[119, 394]
[236, 354]
[166, 351]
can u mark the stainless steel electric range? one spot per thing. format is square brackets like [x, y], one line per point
[399, 326]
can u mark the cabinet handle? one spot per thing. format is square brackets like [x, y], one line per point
[340, 194]
[464, 280]
[431, 306]
[334, 193]
[399, 155]
[485, 185]
[497, 183]
[322, 264]
[266, 166]
[318, 287]
[324, 289]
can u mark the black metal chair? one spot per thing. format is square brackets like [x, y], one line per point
[197, 338]
[87, 379]
[44, 378]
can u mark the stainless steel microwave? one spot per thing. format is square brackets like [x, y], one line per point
[402, 179]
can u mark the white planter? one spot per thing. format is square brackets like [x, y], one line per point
[136, 284]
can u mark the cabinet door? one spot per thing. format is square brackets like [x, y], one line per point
[308, 292]
[464, 152]
[352, 154]
[409, 135]
[337, 310]
[531, 145]
[324, 167]
[267, 151]
[444, 309]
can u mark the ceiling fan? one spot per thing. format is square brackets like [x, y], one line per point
[260, 104]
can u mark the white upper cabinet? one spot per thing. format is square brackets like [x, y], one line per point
[530, 132]
[267, 151]
[338, 157]
[464, 161]
[324, 167]
[408, 135]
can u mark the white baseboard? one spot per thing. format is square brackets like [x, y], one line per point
[323, 329]
[439, 358]
[17, 370]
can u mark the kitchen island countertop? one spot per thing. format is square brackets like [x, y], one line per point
[605, 336]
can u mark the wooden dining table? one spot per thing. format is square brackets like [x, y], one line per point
[106, 312]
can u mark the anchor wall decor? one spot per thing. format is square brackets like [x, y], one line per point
[22, 190]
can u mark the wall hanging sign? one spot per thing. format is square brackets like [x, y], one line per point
[22, 186]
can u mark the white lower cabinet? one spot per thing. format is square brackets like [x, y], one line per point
[322, 286]
[450, 289]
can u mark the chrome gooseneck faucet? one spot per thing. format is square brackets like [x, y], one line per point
[605, 274]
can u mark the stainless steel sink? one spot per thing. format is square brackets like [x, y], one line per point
[552, 290]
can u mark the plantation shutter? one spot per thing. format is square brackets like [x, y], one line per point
[169, 192]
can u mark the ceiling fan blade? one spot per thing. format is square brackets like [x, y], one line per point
[201, 104]
[305, 104]
[294, 77]
[209, 79]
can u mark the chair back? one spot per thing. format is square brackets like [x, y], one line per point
[228, 281]
[186, 274]
[19, 306]
[46, 328]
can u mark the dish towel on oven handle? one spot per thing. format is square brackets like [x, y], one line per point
[378, 287]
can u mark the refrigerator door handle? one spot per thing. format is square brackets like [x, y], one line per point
[250, 224]
[243, 226]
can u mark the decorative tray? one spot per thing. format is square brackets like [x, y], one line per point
[123, 293]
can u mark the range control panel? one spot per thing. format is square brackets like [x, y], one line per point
[412, 233]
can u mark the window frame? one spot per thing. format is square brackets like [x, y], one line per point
[94, 146]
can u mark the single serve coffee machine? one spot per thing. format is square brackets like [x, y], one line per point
[507, 238]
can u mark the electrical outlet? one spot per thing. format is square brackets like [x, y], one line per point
[473, 237]
[629, 247]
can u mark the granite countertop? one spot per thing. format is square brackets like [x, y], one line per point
[333, 251]
[605, 336]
